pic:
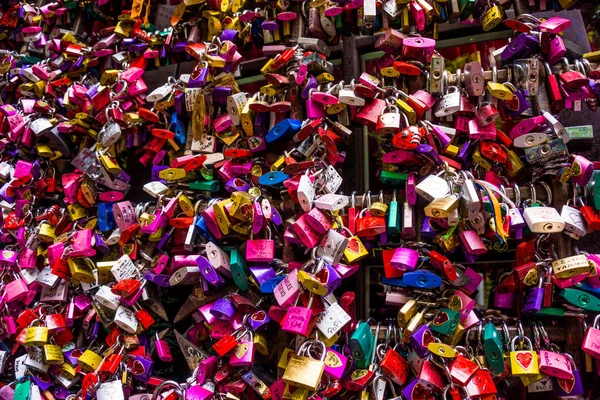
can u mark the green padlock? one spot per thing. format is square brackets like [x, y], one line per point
[596, 189]
[445, 321]
[361, 344]
[581, 299]
[494, 350]
[211, 186]
[393, 179]
[466, 8]
[238, 269]
[22, 390]
[393, 222]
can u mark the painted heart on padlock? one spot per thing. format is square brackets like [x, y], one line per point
[566, 385]
[524, 360]
[332, 360]
[427, 338]
[359, 373]
[440, 318]
[353, 245]
[259, 316]
[137, 368]
[241, 350]
[420, 392]
[455, 303]
[513, 104]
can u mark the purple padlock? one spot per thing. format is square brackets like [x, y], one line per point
[262, 273]
[141, 368]
[258, 321]
[223, 309]
[209, 273]
[420, 339]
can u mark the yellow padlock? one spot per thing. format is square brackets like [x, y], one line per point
[514, 164]
[355, 250]
[36, 334]
[221, 216]
[76, 211]
[271, 90]
[286, 354]
[241, 208]
[46, 232]
[67, 371]
[501, 90]
[110, 164]
[52, 354]
[247, 118]
[261, 344]
[408, 111]
[312, 284]
[390, 72]
[492, 16]
[156, 236]
[172, 174]
[43, 150]
[186, 205]
[451, 150]
[89, 361]
[525, 360]
[479, 159]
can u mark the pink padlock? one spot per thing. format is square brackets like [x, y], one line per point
[260, 250]
[419, 48]
[591, 341]
[222, 122]
[461, 302]
[370, 112]
[211, 222]
[555, 25]
[287, 290]
[314, 109]
[587, 169]
[243, 354]
[593, 279]
[15, 290]
[335, 364]
[218, 259]
[125, 215]
[161, 220]
[297, 320]
[198, 392]
[137, 87]
[472, 242]
[318, 221]
[27, 258]
[82, 244]
[225, 171]
[309, 237]
[404, 259]
[479, 132]
[22, 169]
[555, 364]
[132, 74]
[8, 258]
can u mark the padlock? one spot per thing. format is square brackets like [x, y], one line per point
[389, 121]
[590, 344]
[571, 266]
[305, 372]
[523, 362]
[260, 250]
[572, 385]
[555, 364]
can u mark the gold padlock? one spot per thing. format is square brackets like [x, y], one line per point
[304, 372]
[479, 159]
[186, 205]
[408, 111]
[293, 393]
[36, 334]
[456, 336]
[52, 354]
[43, 150]
[447, 242]
[451, 150]
[440, 208]
[247, 118]
[82, 269]
[110, 164]
[415, 322]
[571, 266]
[241, 208]
[408, 310]
[172, 174]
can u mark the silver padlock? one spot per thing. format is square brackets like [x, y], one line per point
[110, 134]
[557, 127]
[347, 95]
[306, 193]
[107, 298]
[574, 221]
[155, 188]
[449, 103]
[331, 202]
[530, 139]
[543, 220]
[40, 126]
[126, 319]
[433, 187]
[332, 246]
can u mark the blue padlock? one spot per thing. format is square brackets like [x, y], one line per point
[273, 179]
[422, 279]
[283, 130]
[397, 282]
[203, 230]
[177, 127]
[269, 286]
[106, 219]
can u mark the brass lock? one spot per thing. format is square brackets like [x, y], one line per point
[46, 232]
[36, 334]
[379, 208]
[52, 354]
[82, 269]
[441, 208]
